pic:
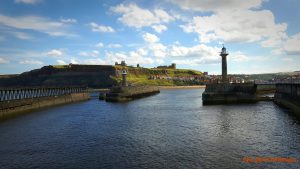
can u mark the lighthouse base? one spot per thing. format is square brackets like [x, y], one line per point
[128, 93]
[226, 93]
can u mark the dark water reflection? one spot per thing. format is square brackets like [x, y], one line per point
[168, 130]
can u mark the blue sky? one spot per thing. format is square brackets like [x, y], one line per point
[261, 35]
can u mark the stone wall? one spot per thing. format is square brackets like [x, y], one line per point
[95, 76]
[9, 109]
[231, 88]
[119, 94]
[288, 95]
[226, 93]
[266, 88]
[133, 89]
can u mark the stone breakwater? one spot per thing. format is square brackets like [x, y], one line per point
[12, 108]
[226, 93]
[288, 95]
[123, 94]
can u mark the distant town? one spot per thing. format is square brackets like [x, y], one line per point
[206, 78]
[108, 75]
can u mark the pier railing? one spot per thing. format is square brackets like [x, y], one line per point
[9, 94]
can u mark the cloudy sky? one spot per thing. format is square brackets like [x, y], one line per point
[260, 35]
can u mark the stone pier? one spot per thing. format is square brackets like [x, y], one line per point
[16, 101]
[128, 93]
[288, 95]
[229, 93]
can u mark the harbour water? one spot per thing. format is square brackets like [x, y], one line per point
[168, 130]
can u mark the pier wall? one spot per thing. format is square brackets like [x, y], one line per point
[266, 88]
[288, 95]
[226, 93]
[231, 88]
[119, 94]
[12, 105]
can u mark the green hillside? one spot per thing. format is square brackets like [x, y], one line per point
[96, 76]
[140, 76]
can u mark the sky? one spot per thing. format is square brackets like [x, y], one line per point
[261, 36]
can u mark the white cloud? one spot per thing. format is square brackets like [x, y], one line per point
[138, 53]
[99, 45]
[158, 50]
[238, 57]
[239, 26]
[288, 59]
[74, 61]
[40, 24]
[100, 28]
[2, 61]
[194, 61]
[200, 54]
[69, 20]
[277, 51]
[94, 62]
[134, 16]
[61, 62]
[203, 54]
[83, 53]
[55, 52]
[160, 61]
[216, 5]
[31, 62]
[140, 60]
[28, 1]
[291, 46]
[93, 53]
[114, 45]
[150, 38]
[132, 58]
[22, 35]
[2, 38]
[142, 52]
[115, 57]
[159, 28]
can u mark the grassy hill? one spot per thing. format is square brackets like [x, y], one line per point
[140, 76]
[95, 76]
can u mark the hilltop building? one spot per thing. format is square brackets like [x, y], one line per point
[123, 63]
[172, 66]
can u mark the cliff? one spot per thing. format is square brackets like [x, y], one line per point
[98, 76]
[67, 75]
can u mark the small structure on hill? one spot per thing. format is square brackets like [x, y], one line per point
[172, 66]
[123, 63]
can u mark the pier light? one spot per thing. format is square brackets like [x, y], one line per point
[224, 54]
[124, 72]
[224, 50]
[124, 81]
